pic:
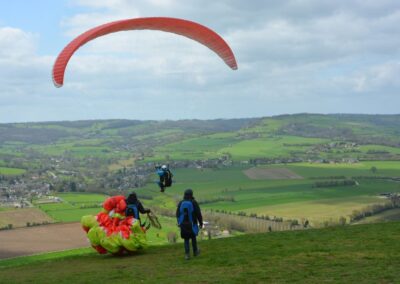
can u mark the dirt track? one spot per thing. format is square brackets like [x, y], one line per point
[46, 238]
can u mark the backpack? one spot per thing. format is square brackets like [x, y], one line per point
[132, 210]
[168, 178]
[186, 216]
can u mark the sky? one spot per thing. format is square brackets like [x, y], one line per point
[295, 56]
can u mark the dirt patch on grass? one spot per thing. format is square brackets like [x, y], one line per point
[19, 217]
[41, 239]
[271, 173]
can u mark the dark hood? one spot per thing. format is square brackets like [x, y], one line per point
[188, 195]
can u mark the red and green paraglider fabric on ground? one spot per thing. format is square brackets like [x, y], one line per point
[111, 231]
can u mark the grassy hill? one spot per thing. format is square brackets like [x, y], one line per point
[350, 254]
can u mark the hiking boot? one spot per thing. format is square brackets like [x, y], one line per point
[197, 253]
[187, 256]
[162, 189]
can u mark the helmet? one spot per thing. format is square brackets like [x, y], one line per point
[164, 167]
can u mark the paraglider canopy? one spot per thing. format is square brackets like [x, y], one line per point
[182, 27]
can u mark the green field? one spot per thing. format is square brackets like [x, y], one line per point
[82, 149]
[203, 147]
[272, 147]
[11, 171]
[351, 254]
[72, 207]
[240, 148]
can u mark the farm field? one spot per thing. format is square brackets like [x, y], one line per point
[272, 147]
[41, 239]
[21, 216]
[11, 171]
[231, 190]
[350, 254]
[73, 206]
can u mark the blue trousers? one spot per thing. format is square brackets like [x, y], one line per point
[194, 245]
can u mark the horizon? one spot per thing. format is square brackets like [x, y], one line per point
[293, 57]
[210, 119]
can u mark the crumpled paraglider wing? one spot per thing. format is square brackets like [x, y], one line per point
[111, 231]
[185, 28]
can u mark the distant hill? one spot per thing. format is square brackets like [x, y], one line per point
[381, 129]
[349, 254]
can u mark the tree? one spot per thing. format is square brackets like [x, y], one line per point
[374, 169]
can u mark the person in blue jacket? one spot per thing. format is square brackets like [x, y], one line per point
[165, 177]
[189, 219]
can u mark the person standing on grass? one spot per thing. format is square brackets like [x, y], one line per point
[189, 218]
[134, 207]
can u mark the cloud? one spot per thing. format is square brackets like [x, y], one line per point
[293, 56]
[377, 78]
[16, 44]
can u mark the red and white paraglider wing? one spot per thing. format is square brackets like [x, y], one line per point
[185, 28]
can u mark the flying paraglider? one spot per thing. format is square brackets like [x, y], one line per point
[165, 176]
[182, 27]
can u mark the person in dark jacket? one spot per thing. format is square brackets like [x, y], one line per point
[189, 219]
[134, 207]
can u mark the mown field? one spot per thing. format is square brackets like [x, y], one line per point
[350, 254]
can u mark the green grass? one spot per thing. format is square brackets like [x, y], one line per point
[72, 215]
[203, 147]
[11, 171]
[272, 147]
[70, 209]
[85, 148]
[82, 197]
[6, 208]
[366, 148]
[352, 254]
[216, 145]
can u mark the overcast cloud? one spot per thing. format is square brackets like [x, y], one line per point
[293, 56]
